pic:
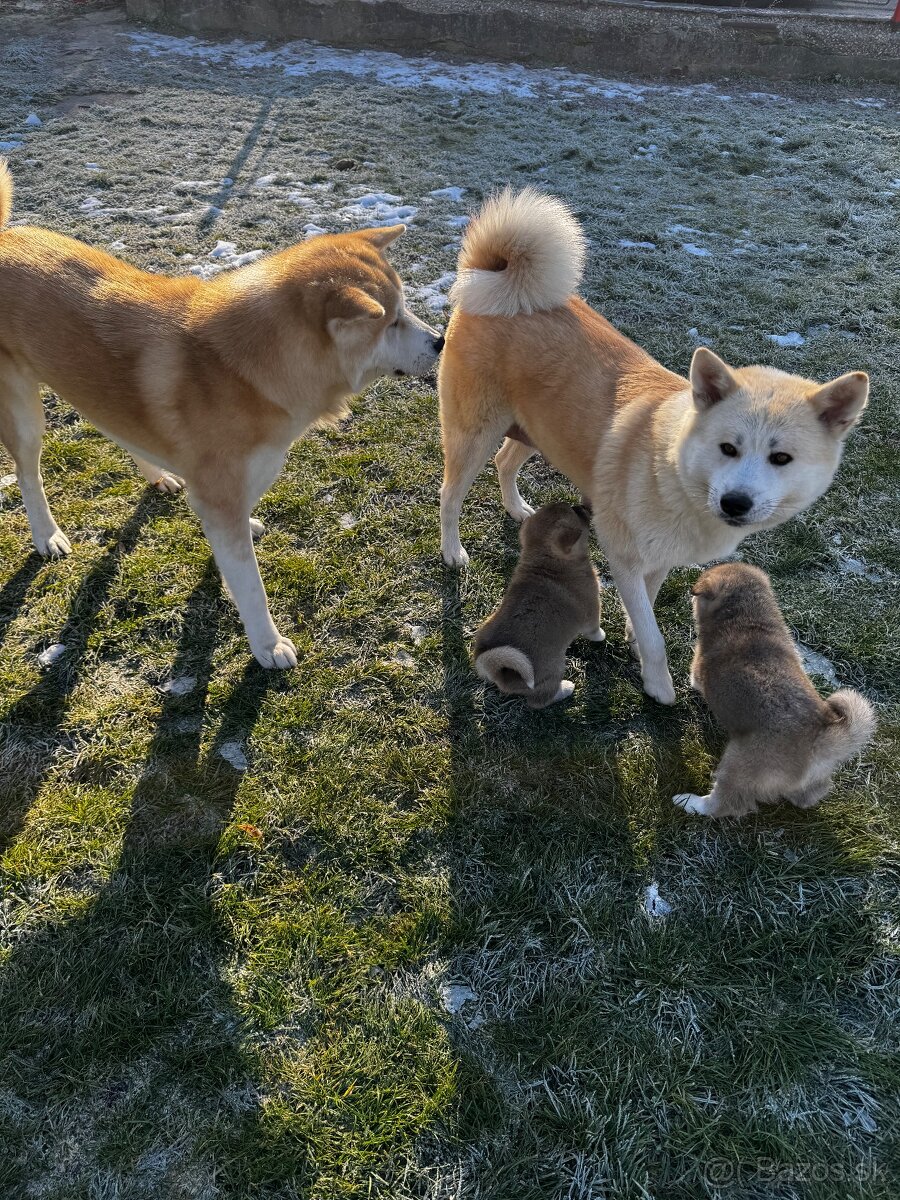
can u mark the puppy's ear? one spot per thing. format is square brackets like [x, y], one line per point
[711, 378]
[566, 539]
[839, 404]
[382, 238]
[352, 304]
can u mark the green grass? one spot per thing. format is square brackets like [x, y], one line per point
[219, 983]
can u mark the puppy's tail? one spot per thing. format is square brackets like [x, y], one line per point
[506, 667]
[6, 193]
[523, 253]
[848, 732]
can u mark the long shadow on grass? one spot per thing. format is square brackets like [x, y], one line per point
[30, 729]
[16, 589]
[643, 1046]
[105, 1010]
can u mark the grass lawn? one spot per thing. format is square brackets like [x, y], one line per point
[367, 928]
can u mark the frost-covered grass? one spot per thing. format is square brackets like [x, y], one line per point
[369, 929]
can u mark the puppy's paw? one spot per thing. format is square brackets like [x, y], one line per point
[699, 806]
[455, 556]
[54, 545]
[279, 657]
[257, 529]
[566, 688]
[520, 512]
[169, 484]
[596, 635]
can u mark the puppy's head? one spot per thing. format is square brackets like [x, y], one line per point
[729, 590]
[562, 530]
[762, 444]
[363, 313]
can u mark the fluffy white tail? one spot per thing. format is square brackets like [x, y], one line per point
[506, 667]
[851, 731]
[6, 193]
[523, 253]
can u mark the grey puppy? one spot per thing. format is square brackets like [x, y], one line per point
[785, 740]
[552, 598]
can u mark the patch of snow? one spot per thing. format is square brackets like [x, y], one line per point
[33, 121]
[817, 664]
[312, 230]
[698, 251]
[225, 257]
[454, 996]
[92, 167]
[52, 654]
[676, 229]
[417, 633]
[195, 185]
[266, 181]
[855, 566]
[787, 340]
[90, 203]
[448, 193]
[629, 245]
[403, 658]
[299, 198]
[377, 208]
[180, 685]
[233, 753]
[434, 295]
[6, 480]
[7, 147]
[303, 58]
[654, 903]
[865, 102]
[347, 521]
[458, 221]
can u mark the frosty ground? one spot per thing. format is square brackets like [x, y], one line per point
[367, 928]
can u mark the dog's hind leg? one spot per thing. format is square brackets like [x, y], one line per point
[21, 431]
[465, 453]
[163, 481]
[737, 789]
[810, 795]
[509, 460]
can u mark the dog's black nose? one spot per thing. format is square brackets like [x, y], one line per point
[438, 344]
[735, 504]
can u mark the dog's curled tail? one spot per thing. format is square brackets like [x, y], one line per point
[851, 729]
[6, 193]
[523, 253]
[506, 667]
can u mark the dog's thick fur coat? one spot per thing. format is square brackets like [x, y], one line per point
[552, 598]
[677, 470]
[206, 384]
[785, 740]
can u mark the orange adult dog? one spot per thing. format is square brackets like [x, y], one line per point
[677, 470]
[205, 384]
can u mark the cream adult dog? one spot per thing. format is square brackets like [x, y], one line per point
[677, 470]
[205, 384]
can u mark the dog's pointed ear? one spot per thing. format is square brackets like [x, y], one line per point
[839, 404]
[382, 237]
[351, 304]
[711, 378]
[566, 539]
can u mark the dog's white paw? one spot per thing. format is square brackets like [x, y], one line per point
[280, 657]
[54, 545]
[520, 512]
[596, 635]
[455, 556]
[168, 484]
[257, 529]
[697, 805]
[566, 688]
[660, 688]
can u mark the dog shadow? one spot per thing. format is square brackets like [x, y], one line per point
[143, 998]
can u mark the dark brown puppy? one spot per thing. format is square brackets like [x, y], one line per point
[785, 740]
[552, 598]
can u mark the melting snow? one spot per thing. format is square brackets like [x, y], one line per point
[224, 257]
[454, 996]
[817, 664]
[49, 656]
[699, 251]
[628, 245]
[448, 193]
[654, 903]
[180, 686]
[377, 208]
[233, 753]
[788, 340]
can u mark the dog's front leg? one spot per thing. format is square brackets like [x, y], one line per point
[642, 623]
[229, 534]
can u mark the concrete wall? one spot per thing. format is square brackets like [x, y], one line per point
[661, 41]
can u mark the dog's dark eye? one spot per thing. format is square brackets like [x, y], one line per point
[780, 459]
[728, 450]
